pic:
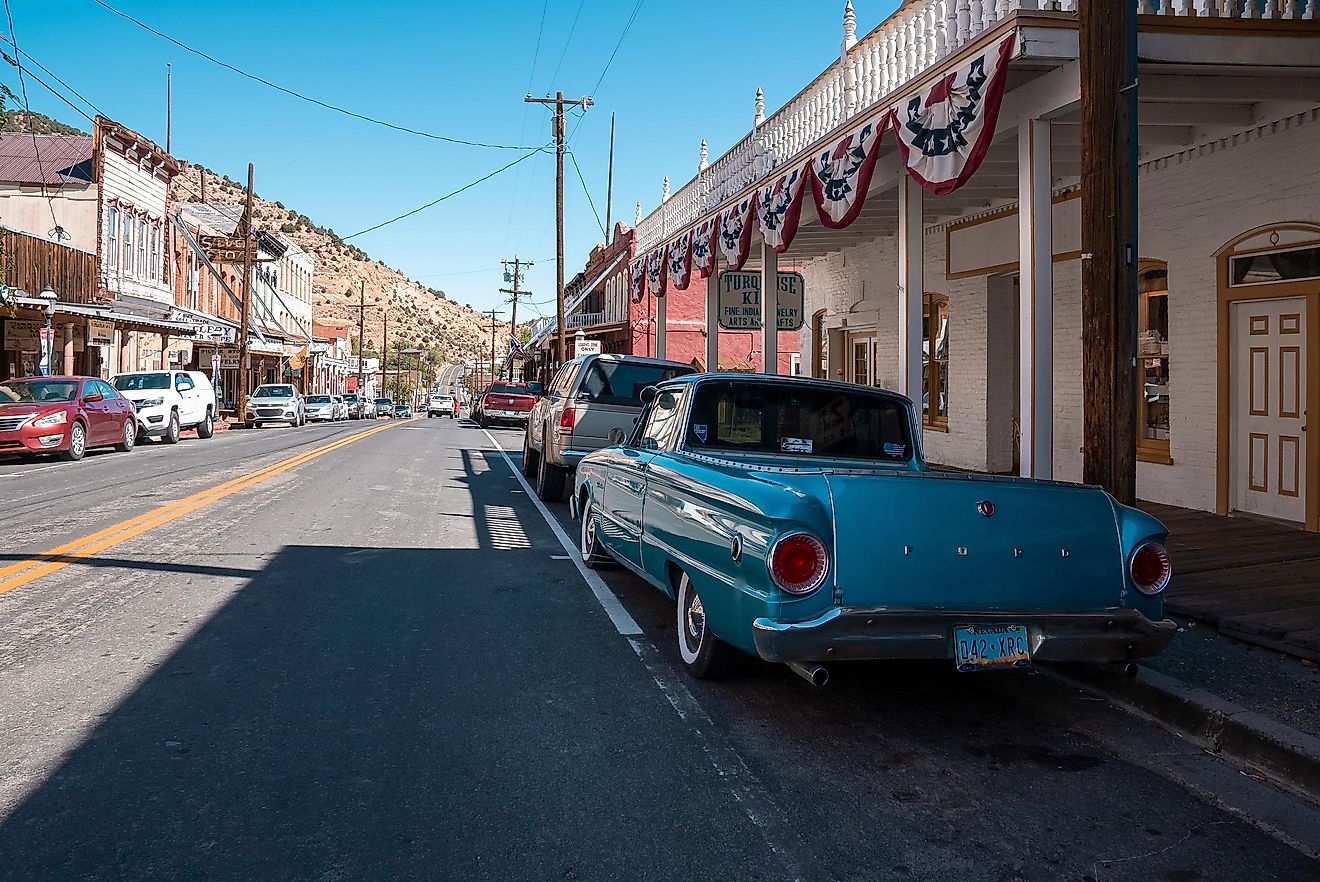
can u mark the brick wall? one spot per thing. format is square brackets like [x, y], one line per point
[685, 331]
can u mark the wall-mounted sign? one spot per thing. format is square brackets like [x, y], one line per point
[228, 249]
[22, 336]
[586, 347]
[229, 358]
[740, 301]
[100, 332]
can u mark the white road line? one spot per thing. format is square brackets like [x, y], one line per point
[623, 622]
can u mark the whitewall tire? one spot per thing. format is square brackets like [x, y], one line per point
[704, 655]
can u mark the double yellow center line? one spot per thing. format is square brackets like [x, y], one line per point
[22, 572]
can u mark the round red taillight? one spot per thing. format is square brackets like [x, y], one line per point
[1151, 568]
[799, 563]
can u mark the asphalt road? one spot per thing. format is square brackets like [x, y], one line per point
[379, 662]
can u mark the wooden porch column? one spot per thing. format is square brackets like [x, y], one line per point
[1035, 303]
[712, 320]
[661, 320]
[911, 288]
[67, 330]
[122, 364]
[769, 310]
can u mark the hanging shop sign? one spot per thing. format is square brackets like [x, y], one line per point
[22, 335]
[100, 332]
[740, 301]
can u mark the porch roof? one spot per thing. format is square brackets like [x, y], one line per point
[1197, 85]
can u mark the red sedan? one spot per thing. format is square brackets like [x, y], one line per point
[65, 415]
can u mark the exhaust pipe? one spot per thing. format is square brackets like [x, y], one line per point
[816, 675]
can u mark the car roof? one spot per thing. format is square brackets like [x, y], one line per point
[636, 359]
[836, 385]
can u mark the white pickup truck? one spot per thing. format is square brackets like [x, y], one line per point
[168, 402]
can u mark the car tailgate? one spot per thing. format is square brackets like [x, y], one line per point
[954, 541]
[593, 422]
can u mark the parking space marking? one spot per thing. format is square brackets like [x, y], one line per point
[623, 621]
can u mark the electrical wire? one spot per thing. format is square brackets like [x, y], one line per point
[590, 201]
[299, 95]
[448, 195]
[627, 26]
[568, 41]
[27, 109]
[54, 76]
[522, 131]
[14, 62]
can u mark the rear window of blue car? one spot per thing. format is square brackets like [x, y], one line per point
[801, 420]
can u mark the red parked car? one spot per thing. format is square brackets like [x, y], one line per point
[505, 403]
[65, 415]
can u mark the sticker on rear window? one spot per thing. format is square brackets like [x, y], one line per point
[699, 429]
[892, 449]
[795, 445]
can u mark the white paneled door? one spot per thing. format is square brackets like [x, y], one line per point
[1268, 408]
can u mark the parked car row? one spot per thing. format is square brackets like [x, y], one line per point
[796, 520]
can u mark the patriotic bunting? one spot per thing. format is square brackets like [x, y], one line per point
[703, 248]
[734, 233]
[779, 207]
[637, 279]
[655, 272]
[679, 261]
[944, 134]
[840, 176]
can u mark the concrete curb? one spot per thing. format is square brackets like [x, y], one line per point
[1286, 755]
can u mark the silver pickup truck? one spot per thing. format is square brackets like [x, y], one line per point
[589, 396]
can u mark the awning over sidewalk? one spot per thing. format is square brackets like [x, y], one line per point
[125, 320]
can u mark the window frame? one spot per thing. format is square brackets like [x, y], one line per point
[127, 227]
[1150, 449]
[112, 237]
[932, 371]
[142, 268]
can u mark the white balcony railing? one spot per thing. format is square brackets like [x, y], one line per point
[869, 71]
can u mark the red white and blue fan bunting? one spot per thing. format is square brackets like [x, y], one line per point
[779, 207]
[943, 135]
[840, 176]
[678, 261]
[637, 279]
[703, 248]
[733, 233]
[655, 272]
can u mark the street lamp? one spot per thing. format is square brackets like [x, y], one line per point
[48, 300]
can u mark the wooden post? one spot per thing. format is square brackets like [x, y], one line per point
[1035, 302]
[769, 310]
[712, 319]
[1107, 34]
[911, 290]
[661, 326]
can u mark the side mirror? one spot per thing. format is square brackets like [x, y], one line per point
[93, 398]
[617, 437]
[648, 395]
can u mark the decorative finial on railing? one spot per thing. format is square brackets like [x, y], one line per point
[847, 73]
[760, 107]
[664, 190]
[637, 218]
[705, 156]
[849, 27]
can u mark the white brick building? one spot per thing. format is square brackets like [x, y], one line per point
[1229, 245]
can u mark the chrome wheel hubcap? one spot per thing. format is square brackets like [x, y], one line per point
[77, 441]
[696, 618]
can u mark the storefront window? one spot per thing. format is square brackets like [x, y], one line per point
[935, 361]
[1153, 352]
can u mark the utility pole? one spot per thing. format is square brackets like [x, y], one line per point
[609, 186]
[558, 102]
[515, 291]
[1108, 60]
[492, 344]
[245, 232]
[385, 352]
[169, 102]
[362, 329]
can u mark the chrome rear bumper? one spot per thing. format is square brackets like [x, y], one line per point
[881, 633]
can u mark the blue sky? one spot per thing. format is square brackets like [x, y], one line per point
[686, 70]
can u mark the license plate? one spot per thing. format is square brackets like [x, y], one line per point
[981, 647]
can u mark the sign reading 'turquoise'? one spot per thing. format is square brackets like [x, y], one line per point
[740, 301]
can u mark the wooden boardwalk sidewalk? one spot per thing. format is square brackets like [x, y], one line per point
[1253, 580]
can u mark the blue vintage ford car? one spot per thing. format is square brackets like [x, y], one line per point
[796, 520]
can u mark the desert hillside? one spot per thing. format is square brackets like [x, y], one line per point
[417, 313]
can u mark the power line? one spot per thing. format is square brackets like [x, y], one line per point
[54, 76]
[448, 195]
[522, 131]
[590, 201]
[627, 26]
[299, 95]
[14, 61]
[27, 108]
[568, 41]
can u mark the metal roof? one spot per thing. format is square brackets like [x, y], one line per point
[45, 159]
